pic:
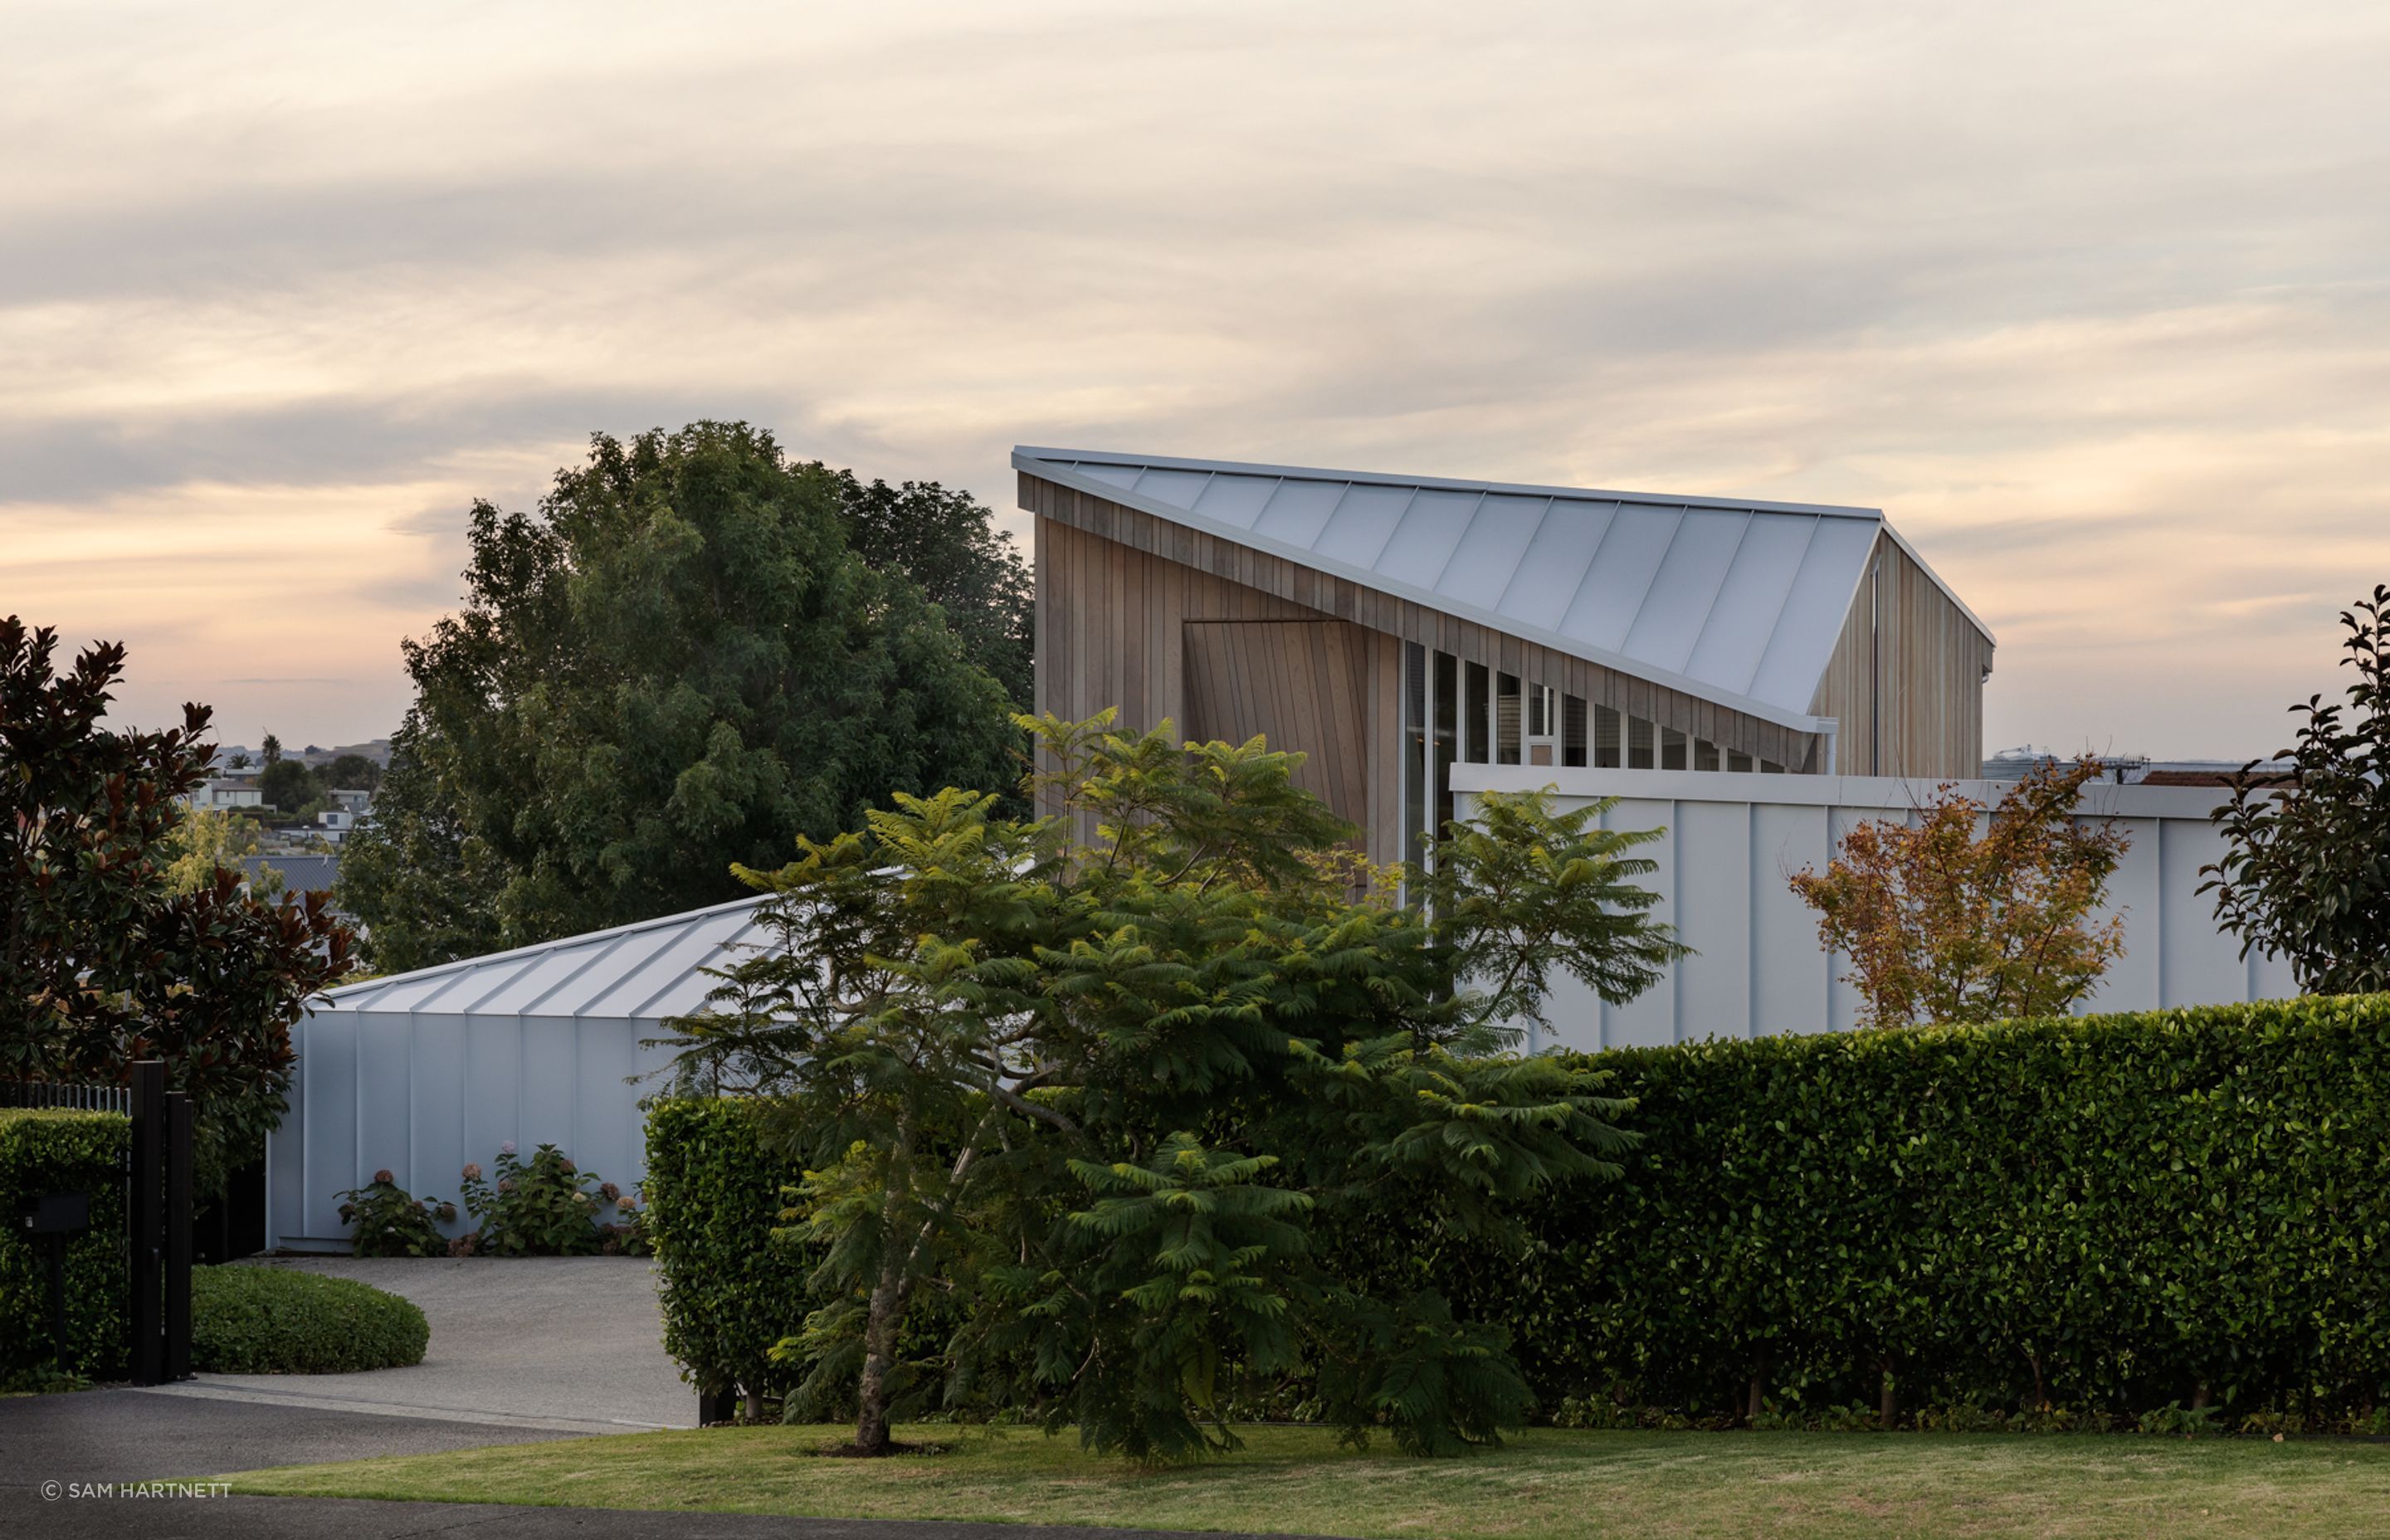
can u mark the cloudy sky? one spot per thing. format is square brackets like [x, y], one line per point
[2093, 299]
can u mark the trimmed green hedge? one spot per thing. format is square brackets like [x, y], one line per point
[51, 1150]
[729, 1293]
[2107, 1212]
[2104, 1214]
[248, 1319]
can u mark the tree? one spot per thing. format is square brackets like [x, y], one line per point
[675, 665]
[207, 840]
[947, 543]
[239, 762]
[102, 961]
[270, 750]
[1094, 1102]
[351, 772]
[2305, 874]
[285, 784]
[1944, 923]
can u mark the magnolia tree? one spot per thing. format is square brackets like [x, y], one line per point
[124, 937]
[1973, 913]
[2305, 874]
[1098, 1098]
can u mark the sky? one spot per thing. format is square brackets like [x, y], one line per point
[2093, 300]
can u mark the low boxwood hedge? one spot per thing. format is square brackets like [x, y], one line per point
[248, 1319]
[49, 1150]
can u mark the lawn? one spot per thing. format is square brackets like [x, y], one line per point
[1654, 1486]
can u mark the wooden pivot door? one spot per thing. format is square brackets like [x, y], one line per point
[1301, 685]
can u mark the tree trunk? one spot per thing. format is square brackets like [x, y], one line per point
[754, 1407]
[1888, 1408]
[887, 1306]
[2199, 1396]
[1758, 1389]
[2040, 1386]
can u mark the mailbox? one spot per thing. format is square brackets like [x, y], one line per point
[58, 1212]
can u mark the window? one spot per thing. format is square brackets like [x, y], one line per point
[1638, 744]
[1609, 751]
[1672, 749]
[1415, 805]
[1477, 716]
[1447, 718]
[1705, 754]
[1505, 719]
[1572, 730]
[1736, 760]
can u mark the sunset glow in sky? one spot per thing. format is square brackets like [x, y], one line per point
[2093, 301]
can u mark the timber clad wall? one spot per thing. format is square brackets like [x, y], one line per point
[1932, 662]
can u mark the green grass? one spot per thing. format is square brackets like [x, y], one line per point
[1652, 1486]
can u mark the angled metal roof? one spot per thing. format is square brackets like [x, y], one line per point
[643, 972]
[1734, 601]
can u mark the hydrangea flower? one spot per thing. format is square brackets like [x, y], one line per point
[383, 1175]
[507, 1147]
[472, 1171]
[505, 1184]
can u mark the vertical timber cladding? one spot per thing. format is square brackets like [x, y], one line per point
[1301, 685]
[1908, 650]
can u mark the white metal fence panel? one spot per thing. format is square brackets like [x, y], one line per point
[1734, 841]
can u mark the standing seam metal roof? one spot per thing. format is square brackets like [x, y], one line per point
[1734, 601]
[644, 972]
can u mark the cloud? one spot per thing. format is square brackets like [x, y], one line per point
[2089, 301]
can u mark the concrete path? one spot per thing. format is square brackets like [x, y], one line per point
[571, 1344]
[70, 1518]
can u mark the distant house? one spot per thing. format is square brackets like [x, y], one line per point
[223, 791]
[1394, 627]
[300, 873]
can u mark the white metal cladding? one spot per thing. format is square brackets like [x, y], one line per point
[1737, 602]
[423, 1071]
[1734, 841]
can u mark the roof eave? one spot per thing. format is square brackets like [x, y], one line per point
[1026, 459]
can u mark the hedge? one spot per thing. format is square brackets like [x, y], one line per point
[2120, 1212]
[46, 1150]
[728, 1292]
[248, 1319]
[2115, 1213]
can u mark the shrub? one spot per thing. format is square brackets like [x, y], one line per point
[545, 1206]
[730, 1291]
[386, 1222]
[58, 1150]
[249, 1319]
[2113, 1213]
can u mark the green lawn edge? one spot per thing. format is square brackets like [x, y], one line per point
[1543, 1486]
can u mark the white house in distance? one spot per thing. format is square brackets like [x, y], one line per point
[225, 792]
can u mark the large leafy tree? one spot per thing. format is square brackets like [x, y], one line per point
[680, 663]
[1973, 913]
[947, 543]
[1101, 1100]
[2305, 874]
[116, 944]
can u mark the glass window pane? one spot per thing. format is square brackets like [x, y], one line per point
[1572, 730]
[1705, 754]
[1638, 744]
[1414, 750]
[1736, 760]
[1505, 719]
[1609, 750]
[1477, 711]
[1672, 749]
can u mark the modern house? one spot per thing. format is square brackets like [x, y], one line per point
[1392, 626]
[224, 792]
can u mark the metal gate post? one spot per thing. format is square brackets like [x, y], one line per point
[147, 1216]
[178, 1236]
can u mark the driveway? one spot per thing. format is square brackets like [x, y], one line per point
[567, 1345]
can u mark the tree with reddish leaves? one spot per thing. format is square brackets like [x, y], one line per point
[101, 963]
[1972, 913]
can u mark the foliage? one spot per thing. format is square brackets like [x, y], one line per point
[55, 1150]
[386, 1221]
[2305, 874]
[100, 963]
[947, 543]
[287, 784]
[2108, 1214]
[676, 664]
[207, 840]
[1944, 924]
[731, 1290]
[1098, 1096]
[546, 1206]
[253, 1319]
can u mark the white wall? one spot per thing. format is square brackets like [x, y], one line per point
[424, 1092]
[1734, 841]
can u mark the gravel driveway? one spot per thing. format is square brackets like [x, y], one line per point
[571, 1343]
